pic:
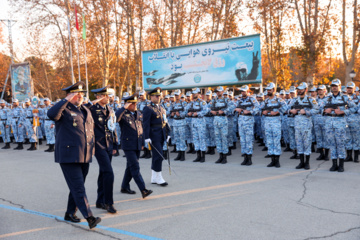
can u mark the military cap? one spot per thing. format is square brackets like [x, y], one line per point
[226, 93]
[47, 99]
[41, 103]
[130, 99]
[116, 99]
[336, 82]
[321, 87]
[244, 88]
[182, 96]
[177, 92]
[282, 92]
[302, 86]
[172, 95]
[208, 93]
[270, 85]
[126, 94]
[260, 95]
[75, 88]
[292, 89]
[214, 95]
[15, 100]
[155, 92]
[188, 94]
[350, 85]
[231, 93]
[195, 90]
[102, 91]
[167, 96]
[2, 101]
[26, 100]
[313, 89]
[287, 93]
[277, 94]
[142, 93]
[219, 89]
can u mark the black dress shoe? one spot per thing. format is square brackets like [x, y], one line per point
[100, 205]
[128, 191]
[93, 221]
[71, 218]
[146, 193]
[110, 208]
[163, 184]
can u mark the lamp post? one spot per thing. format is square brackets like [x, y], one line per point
[352, 74]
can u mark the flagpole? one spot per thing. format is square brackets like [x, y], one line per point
[71, 61]
[86, 73]
[77, 41]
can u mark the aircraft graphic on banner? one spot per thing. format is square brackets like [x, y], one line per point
[167, 80]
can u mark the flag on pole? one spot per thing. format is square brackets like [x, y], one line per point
[84, 28]
[77, 22]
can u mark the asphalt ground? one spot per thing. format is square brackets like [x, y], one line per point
[202, 200]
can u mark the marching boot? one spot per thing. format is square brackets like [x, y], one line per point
[229, 152]
[47, 150]
[202, 159]
[191, 148]
[182, 157]
[224, 159]
[334, 166]
[12, 139]
[348, 156]
[341, 165]
[27, 141]
[301, 164]
[249, 162]
[267, 156]
[148, 154]
[145, 193]
[198, 156]
[92, 221]
[208, 150]
[307, 162]
[144, 154]
[19, 146]
[295, 156]
[117, 153]
[282, 143]
[212, 151]
[174, 150]
[245, 159]
[272, 161]
[326, 154]
[322, 156]
[277, 161]
[221, 156]
[51, 147]
[7, 146]
[356, 156]
[33, 147]
[165, 154]
[313, 147]
[178, 157]
[264, 149]
[287, 149]
[40, 141]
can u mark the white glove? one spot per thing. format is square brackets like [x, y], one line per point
[168, 139]
[147, 142]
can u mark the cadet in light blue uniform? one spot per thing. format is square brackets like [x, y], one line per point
[353, 131]
[209, 129]
[189, 138]
[166, 104]
[303, 107]
[196, 111]
[220, 108]
[28, 111]
[177, 113]
[319, 127]
[234, 121]
[17, 125]
[285, 124]
[4, 124]
[230, 117]
[291, 124]
[247, 107]
[141, 104]
[271, 109]
[49, 127]
[336, 107]
[257, 118]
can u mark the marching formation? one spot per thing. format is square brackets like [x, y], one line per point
[76, 129]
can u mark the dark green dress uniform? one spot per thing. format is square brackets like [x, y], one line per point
[132, 142]
[104, 145]
[74, 148]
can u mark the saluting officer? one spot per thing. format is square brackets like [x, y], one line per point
[130, 121]
[74, 149]
[105, 147]
[155, 134]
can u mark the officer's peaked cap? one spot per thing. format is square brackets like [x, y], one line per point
[75, 88]
[155, 92]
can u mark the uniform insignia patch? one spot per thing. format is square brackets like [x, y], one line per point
[204, 103]
[168, 105]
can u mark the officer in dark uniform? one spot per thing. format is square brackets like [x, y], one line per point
[130, 121]
[105, 147]
[156, 132]
[74, 148]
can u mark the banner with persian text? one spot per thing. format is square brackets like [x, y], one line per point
[234, 61]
